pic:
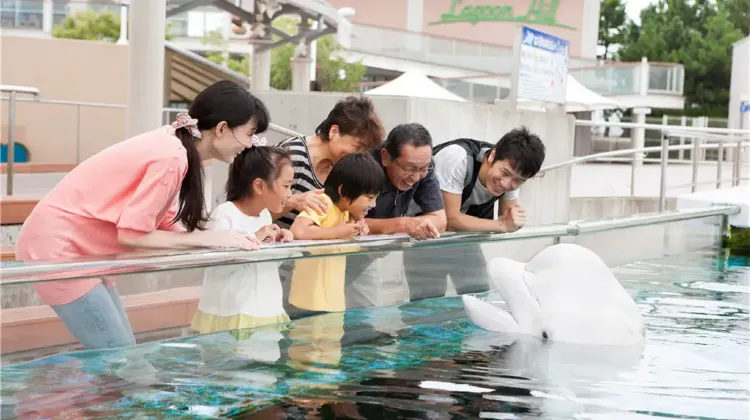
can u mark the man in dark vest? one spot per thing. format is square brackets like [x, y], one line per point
[473, 176]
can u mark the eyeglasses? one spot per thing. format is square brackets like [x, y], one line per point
[412, 170]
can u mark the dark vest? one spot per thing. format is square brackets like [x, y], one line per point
[474, 151]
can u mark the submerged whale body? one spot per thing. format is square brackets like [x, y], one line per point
[566, 293]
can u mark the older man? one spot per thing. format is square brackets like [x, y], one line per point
[406, 158]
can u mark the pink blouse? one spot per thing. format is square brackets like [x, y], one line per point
[129, 188]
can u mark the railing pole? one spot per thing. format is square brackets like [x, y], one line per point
[737, 163]
[632, 175]
[78, 134]
[11, 142]
[719, 161]
[696, 152]
[663, 181]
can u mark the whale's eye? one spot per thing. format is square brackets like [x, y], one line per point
[544, 335]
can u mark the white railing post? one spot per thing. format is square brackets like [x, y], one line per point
[663, 180]
[123, 23]
[48, 12]
[12, 91]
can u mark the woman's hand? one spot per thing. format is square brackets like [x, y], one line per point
[312, 202]
[229, 239]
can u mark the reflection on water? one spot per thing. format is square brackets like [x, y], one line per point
[424, 360]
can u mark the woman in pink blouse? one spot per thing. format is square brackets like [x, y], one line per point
[144, 192]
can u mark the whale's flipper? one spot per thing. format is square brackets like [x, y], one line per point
[488, 316]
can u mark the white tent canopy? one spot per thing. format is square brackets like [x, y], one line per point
[414, 84]
[578, 98]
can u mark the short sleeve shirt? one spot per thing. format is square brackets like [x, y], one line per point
[393, 202]
[304, 175]
[451, 165]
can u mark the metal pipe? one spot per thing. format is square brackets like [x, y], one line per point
[78, 134]
[11, 144]
[160, 261]
[633, 167]
[663, 180]
[660, 127]
[272, 126]
[696, 152]
[719, 162]
[597, 156]
[737, 163]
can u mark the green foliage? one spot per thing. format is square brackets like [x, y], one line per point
[215, 39]
[699, 34]
[89, 25]
[92, 26]
[737, 241]
[329, 66]
[612, 28]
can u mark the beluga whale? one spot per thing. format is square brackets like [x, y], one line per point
[566, 294]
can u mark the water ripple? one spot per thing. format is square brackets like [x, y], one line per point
[433, 365]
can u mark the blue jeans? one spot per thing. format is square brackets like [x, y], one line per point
[97, 319]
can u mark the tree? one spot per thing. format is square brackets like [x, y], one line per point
[698, 34]
[92, 26]
[739, 13]
[612, 28]
[89, 25]
[333, 72]
[222, 57]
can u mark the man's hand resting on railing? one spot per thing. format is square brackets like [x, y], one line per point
[513, 218]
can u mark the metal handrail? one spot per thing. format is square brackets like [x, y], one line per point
[28, 90]
[660, 127]
[621, 152]
[12, 92]
[130, 264]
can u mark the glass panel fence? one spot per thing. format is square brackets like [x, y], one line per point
[400, 313]
[164, 295]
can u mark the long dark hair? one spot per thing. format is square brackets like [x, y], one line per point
[223, 101]
[260, 162]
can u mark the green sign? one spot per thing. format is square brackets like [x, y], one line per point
[541, 12]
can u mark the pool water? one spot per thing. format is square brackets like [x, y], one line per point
[425, 360]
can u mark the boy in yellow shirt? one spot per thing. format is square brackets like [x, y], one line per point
[351, 189]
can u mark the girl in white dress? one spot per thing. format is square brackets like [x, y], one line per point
[250, 295]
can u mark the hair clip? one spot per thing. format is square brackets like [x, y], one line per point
[259, 141]
[183, 120]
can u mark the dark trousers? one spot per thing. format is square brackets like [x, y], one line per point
[427, 271]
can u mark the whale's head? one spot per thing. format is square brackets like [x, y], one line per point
[565, 293]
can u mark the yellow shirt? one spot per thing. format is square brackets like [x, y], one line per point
[318, 283]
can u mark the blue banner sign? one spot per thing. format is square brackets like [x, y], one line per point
[543, 67]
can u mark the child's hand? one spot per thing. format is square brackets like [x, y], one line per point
[268, 233]
[346, 230]
[364, 230]
[285, 235]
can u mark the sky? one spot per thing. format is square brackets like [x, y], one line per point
[633, 8]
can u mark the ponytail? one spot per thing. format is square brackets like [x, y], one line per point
[224, 101]
[191, 211]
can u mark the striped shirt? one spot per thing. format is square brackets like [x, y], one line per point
[304, 181]
[304, 176]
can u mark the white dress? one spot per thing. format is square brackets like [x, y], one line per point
[239, 296]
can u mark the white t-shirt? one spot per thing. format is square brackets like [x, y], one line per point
[250, 289]
[451, 165]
